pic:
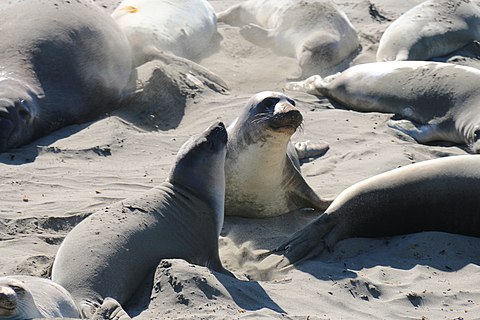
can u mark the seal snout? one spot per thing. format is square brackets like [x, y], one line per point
[217, 133]
[8, 301]
[286, 116]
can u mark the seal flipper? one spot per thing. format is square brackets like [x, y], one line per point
[110, 310]
[307, 149]
[257, 35]
[422, 133]
[307, 242]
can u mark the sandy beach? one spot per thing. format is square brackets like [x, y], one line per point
[50, 185]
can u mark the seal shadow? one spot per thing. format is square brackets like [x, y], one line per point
[28, 153]
[178, 284]
[442, 251]
[165, 86]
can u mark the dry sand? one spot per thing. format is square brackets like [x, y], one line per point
[50, 185]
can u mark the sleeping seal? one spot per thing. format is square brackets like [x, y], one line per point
[433, 195]
[26, 297]
[184, 28]
[315, 32]
[110, 253]
[431, 29]
[61, 62]
[438, 101]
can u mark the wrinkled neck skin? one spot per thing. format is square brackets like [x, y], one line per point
[20, 93]
[205, 180]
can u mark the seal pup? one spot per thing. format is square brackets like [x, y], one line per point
[262, 168]
[111, 252]
[433, 195]
[315, 32]
[185, 28]
[439, 101]
[61, 62]
[27, 297]
[432, 29]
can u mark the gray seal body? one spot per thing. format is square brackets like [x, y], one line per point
[433, 195]
[111, 252]
[61, 62]
[437, 101]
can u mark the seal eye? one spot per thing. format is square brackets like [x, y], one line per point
[22, 110]
[270, 103]
[17, 289]
[291, 102]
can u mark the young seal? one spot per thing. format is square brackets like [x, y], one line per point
[262, 168]
[439, 101]
[433, 195]
[315, 32]
[431, 29]
[26, 297]
[185, 28]
[111, 252]
[61, 62]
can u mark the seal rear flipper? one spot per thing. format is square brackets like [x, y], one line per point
[110, 310]
[257, 35]
[307, 149]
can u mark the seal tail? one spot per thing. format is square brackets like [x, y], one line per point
[314, 85]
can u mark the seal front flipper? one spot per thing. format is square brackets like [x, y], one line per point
[257, 35]
[422, 133]
[307, 242]
[110, 310]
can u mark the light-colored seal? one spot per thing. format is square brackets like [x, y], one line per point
[431, 29]
[61, 62]
[433, 195]
[113, 250]
[439, 101]
[185, 28]
[27, 297]
[315, 32]
[262, 168]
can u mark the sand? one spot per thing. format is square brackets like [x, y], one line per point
[47, 187]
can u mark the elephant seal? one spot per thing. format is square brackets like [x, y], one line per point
[262, 168]
[439, 101]
[315, 32]
[431, 29]
[185, 28]
[111, 252]
[61, 62]
[433, 195]
[27, 297]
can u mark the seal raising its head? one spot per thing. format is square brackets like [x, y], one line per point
[110, 253]
[26, 297]
[262, 168]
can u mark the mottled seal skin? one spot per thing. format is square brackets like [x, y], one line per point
[110, 253]
[184, 28]
[431, 29]
[61, 62]
[262, 168]
[27, 297]
[315, 32]
[433, 195]
[438, 101]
